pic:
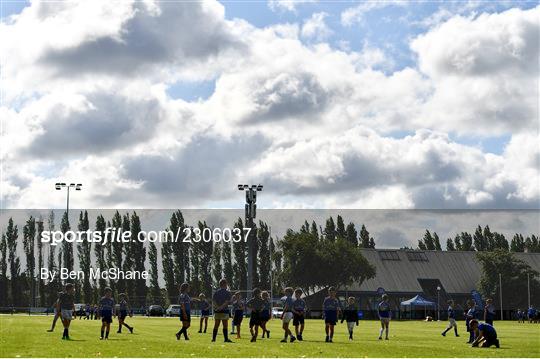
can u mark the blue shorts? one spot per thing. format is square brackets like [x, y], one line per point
[187, 318]
[123, 314]
[106, 316]
[330, 317]
[205, 313]
[238, 317]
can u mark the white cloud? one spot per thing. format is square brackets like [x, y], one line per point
[310, 122]
[287, 5]
[356, 14]
[316, 28]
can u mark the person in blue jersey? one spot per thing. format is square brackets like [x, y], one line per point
[256, 306]
[531, 314]
[66, 307]
[451, 319]
[287, 315]
[123, 311]
[299, 313]
[350, 314]
[485, 335]
[331, 309]
[238, 307]
[470, 315]
[384, 316]
[106, 312]
[266, 314]
[205, 312]
[489, 311]
[520, 316]
[185, 311]
[221, 300]
[56, 313]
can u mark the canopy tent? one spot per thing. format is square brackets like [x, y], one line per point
[418, 301]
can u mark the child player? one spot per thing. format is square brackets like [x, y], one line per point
[332, 308]
[287, 314]
[185, 311]
[256, 305]
[451, 319]
[489, 311]
[66, 306]
[350, 314]
[124, 310]
[384, 316]
[299, 312]
[266, 314]
[470, 315]
[205, 312]
[485, 334]
[56, 312]
[221, 300]
[106, 309]
[238, 310]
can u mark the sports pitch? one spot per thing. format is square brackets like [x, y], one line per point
[26, 336]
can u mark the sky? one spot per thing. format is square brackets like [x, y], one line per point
[328, 104]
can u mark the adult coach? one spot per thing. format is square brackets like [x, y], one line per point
[221, 300]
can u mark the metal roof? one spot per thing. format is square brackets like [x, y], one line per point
[458, 272]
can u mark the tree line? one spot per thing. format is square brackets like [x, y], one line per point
[201, 264]
[482, 240]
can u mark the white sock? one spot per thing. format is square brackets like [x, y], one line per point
[380, 332]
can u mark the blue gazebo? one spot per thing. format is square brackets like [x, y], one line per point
[418, 302]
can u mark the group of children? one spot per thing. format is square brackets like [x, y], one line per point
[260, 306]
[65, 309]
[531, 315]
[480, 334]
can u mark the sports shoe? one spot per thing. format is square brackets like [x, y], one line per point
[228, 341]
[443, 334]
[299, 337]
[497, 344]
[131, 330]
[292, 339]
[328, 339]
[283, 341]
[177, 336]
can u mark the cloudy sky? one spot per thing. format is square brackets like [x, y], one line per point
[328, 104]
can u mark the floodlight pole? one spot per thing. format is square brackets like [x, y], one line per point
[59, 186]
[528, 291]
[438, 307]
[250, 214]
[500, 295]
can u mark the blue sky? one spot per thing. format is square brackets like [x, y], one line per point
[339, 114]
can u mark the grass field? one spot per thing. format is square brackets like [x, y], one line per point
[26, 336]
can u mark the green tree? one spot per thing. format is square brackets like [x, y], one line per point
[217, 267]
[138, 252]
[517, 244]
[479, 241]
[168, 270]
[310, 264]
[513, 273]
[436, 242]
[450, 245]
[351, 234]
[206, 251]
[340, 228]
[12, 235]
[330, 229]
[457, 242]
[117, 251]
[41, 283]
[127, 286]
[228, 270]
[67, 246]
[263, 236]
[155, 291]
[466, 242]
[29, 242]
[240, 259]
[3, 272]
[99, 252]
[84, 250]
[364, 237]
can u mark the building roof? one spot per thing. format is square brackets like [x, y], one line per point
[400, 270]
